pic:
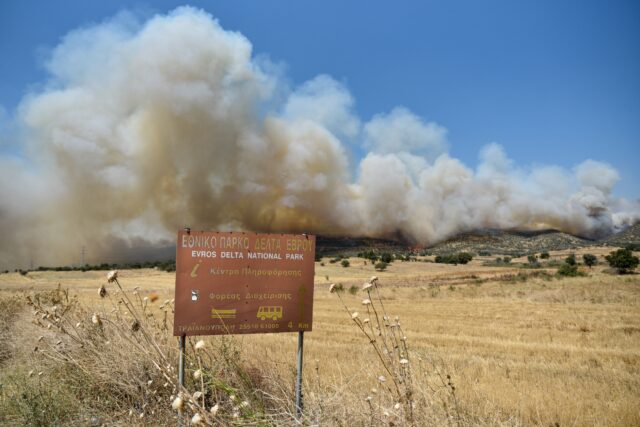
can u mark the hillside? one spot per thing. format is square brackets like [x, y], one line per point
[490, 241]
[332, 245]
[509, 242]
[629, 236]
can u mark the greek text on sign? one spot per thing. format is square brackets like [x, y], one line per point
[243, 283]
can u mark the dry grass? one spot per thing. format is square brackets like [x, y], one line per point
[532, 350]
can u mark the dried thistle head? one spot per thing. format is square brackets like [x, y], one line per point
[332, 288]
[95, 319]
[200, 345]
[135, 326]
[196, 419]
[366, 301]
[354, 315]
[177, 404]
[214, 409]
[366, 286]
[197, 374]
[102, 291]
[112, 276]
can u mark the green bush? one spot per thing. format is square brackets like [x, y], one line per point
[568, 270]
[590, 260]
[571, 259]
[345, 263]
[386, 257]
[622, 260]
[381, 266]
[460, 258]
[544, 255]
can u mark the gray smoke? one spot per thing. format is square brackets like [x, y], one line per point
[143, 128]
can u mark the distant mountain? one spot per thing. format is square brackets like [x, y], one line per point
[628, 236]
[509, 242]
[488, 241]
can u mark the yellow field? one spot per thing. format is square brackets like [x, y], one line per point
[520, 350]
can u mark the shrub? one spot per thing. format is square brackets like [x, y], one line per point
[353, 289]
[506, 260]
[571, 259]
[461, 258]
[533, 260]
[622, 260]
[544, 255]
[386, 257]
[381, 266]
[345, 263]
[589, 260]
[568, 270]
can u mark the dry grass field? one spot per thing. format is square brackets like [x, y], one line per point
[521, 347]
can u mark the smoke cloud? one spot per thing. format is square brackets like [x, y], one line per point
[143, 128]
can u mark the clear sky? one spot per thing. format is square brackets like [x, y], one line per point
[554, 82]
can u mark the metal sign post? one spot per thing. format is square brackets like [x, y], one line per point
[181, 358]
[181, 363]
[299, 377]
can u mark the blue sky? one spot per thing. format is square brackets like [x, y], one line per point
[554, 82]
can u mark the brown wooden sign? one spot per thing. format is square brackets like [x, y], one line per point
[243, 283]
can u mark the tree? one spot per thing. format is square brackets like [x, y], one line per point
[589, 260]
[345, 263]
[461, 258]
[544, 255]
[533, 260]
[386, 257]
[571, 259]
[622, 260]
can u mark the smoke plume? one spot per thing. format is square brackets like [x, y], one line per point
[143, 128]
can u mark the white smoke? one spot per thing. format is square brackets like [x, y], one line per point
[144, 128]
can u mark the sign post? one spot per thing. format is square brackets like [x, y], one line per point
[244, 283]
[299, 376]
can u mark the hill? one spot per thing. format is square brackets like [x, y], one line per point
[509, 242]
[489, 241]
[628, 236]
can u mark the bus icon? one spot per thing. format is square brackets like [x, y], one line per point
[269, 312]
